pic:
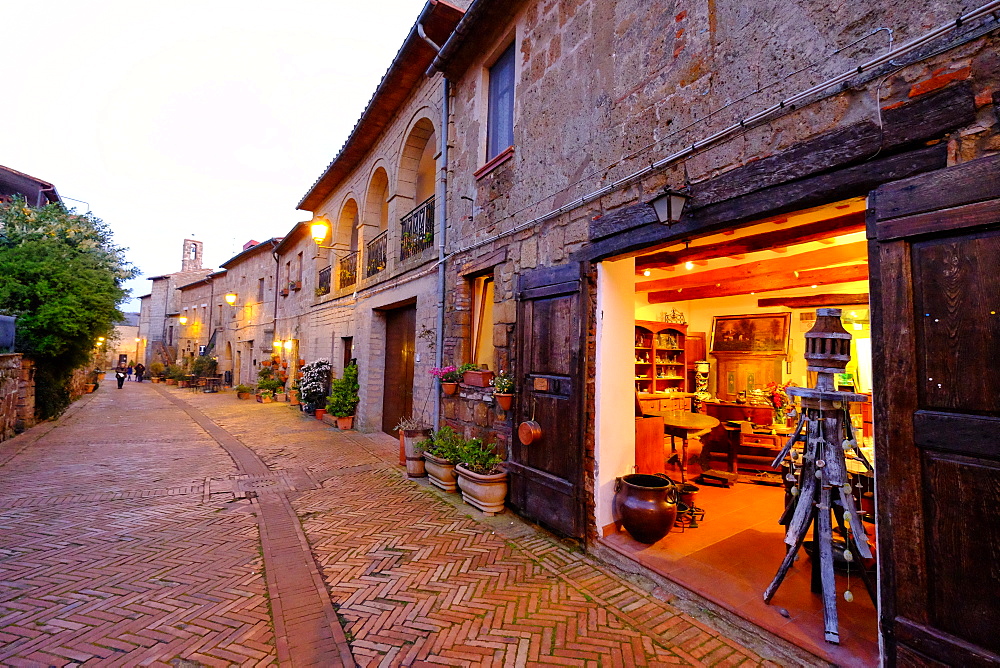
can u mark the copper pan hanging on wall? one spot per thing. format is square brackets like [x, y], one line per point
[529, 431]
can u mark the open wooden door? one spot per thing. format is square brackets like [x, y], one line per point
[935, 271]
[546, 475]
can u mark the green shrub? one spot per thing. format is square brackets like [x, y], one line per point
[157, 369]
[479, 457]
[446, 444]
[343, 399]
[175, 372]
[244, 389]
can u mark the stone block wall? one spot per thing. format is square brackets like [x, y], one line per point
[17, 395]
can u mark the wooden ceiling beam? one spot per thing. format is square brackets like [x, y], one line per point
[780, 238]
[824, 257]
[765, 283]
[815, 301]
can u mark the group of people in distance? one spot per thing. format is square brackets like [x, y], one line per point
[125, 372]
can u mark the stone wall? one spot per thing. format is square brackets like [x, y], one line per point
[17, 395]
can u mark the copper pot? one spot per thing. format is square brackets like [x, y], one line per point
[529, 431]
[647, 505]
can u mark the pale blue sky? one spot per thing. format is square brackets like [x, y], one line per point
[210, 118]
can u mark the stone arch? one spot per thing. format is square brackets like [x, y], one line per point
[347, 225]
[417, 168]
[377, 201]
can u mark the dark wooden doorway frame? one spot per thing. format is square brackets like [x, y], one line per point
[398, 363]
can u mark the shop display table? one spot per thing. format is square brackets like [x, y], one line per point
[684, 425]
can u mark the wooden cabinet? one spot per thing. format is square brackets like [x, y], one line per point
[660, 361]
[742, 372]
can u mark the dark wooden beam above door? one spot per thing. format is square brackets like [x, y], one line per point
[823, 257]
[765, 283]
[815, 301]
[779, 238]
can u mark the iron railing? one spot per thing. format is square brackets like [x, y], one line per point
[347, 270]
[323, 282]
[375, 254]
[417, 229]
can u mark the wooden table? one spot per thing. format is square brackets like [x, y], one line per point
[684, 425]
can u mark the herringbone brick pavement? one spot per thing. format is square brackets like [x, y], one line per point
[109, 554]
[418, 581]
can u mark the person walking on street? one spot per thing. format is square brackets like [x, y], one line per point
[140, 369]
[128, 372]
[120, 376]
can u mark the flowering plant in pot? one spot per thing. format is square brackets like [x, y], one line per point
[312, 386]
[442, 452]
[481, 477]
[449, 377]
[474, 376]
[243, 391]
[503, 389]
[414, 431]
[343, 399]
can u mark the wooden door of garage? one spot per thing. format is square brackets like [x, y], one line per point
[546, 475]
[936, 314]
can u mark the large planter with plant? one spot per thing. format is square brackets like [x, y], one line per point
[481, 477]
[243, 391]
[474, 376]
[415, 433]
[343, 399]
[442, 452]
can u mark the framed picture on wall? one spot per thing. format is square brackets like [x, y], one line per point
[761, 333]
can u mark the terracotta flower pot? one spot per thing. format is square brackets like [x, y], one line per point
[504, 401]
[89, 387]
[320, 412]
[171, 381]
[243, 395]
[345, 422]
[485, 492]
[477, 378]
[441, 473]
[449, 388]
[282, 397]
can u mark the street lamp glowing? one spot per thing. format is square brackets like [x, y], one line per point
[278, 343]
[100, 339]
[288, 344]
[183, 319]
[319, 229]
[230, 298]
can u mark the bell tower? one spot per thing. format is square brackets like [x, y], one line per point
[191, 257]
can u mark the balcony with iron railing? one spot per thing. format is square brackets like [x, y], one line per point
[323, 281]
[417, 230]
[347, 270]
[375, 254]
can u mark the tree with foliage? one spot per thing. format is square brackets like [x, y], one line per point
[62, 277]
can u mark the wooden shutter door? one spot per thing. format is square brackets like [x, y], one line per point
[935, 267]
[397, 389]
[546, 475]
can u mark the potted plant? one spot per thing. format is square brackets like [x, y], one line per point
[156, 371]
[343, 399]
[414, 432]
[293, 396]
[474, 376]
[442, 452]
[312, 387]
[243, 391]
[481, 477]
[449, 377]
[503, 390]
[265, 396]
[174, 374]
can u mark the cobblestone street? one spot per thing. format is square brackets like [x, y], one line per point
[156, 526]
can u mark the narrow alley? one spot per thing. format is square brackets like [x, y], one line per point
[157, 526]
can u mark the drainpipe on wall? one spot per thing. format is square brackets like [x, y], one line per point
[277, 273]
[442, 215]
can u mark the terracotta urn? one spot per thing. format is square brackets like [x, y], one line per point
[485, 492]
[441, 472]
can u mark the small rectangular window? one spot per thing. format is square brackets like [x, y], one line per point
[500, 123]
[260, 289]
[482, 322]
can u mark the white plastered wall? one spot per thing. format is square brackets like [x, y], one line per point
[615, 392]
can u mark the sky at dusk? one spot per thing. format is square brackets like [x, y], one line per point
[206, 119]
